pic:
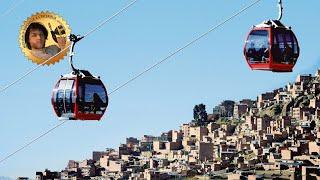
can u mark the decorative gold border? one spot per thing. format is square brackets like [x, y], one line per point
[40, 17]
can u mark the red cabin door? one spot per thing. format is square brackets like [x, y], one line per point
[64, 99]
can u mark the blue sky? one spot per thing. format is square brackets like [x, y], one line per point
[208, 72]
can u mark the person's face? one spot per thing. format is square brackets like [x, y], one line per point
[36, 39]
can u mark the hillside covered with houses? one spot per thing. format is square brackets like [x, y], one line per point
[276, 135]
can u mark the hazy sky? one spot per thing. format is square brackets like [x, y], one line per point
[208, 72]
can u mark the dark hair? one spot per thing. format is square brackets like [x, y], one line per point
[34, 26]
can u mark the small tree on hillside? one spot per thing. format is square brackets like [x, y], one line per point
[200, 114]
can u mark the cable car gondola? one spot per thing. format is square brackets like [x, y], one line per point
[272, 46]
[79, 95]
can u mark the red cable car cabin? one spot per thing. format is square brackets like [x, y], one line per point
[79, 96]
[271, 46]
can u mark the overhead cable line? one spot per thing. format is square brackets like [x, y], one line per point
[34, 140]
[183, 47]
[9, 10]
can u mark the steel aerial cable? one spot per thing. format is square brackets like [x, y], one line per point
[110, 18]
[13, 6]
[30, 71]
[88, 33]
[34, 140]
[141, 73]
[185, 46]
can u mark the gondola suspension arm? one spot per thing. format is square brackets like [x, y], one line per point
[280, 10]
[74, 39]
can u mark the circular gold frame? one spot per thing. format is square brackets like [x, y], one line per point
[48, 20]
